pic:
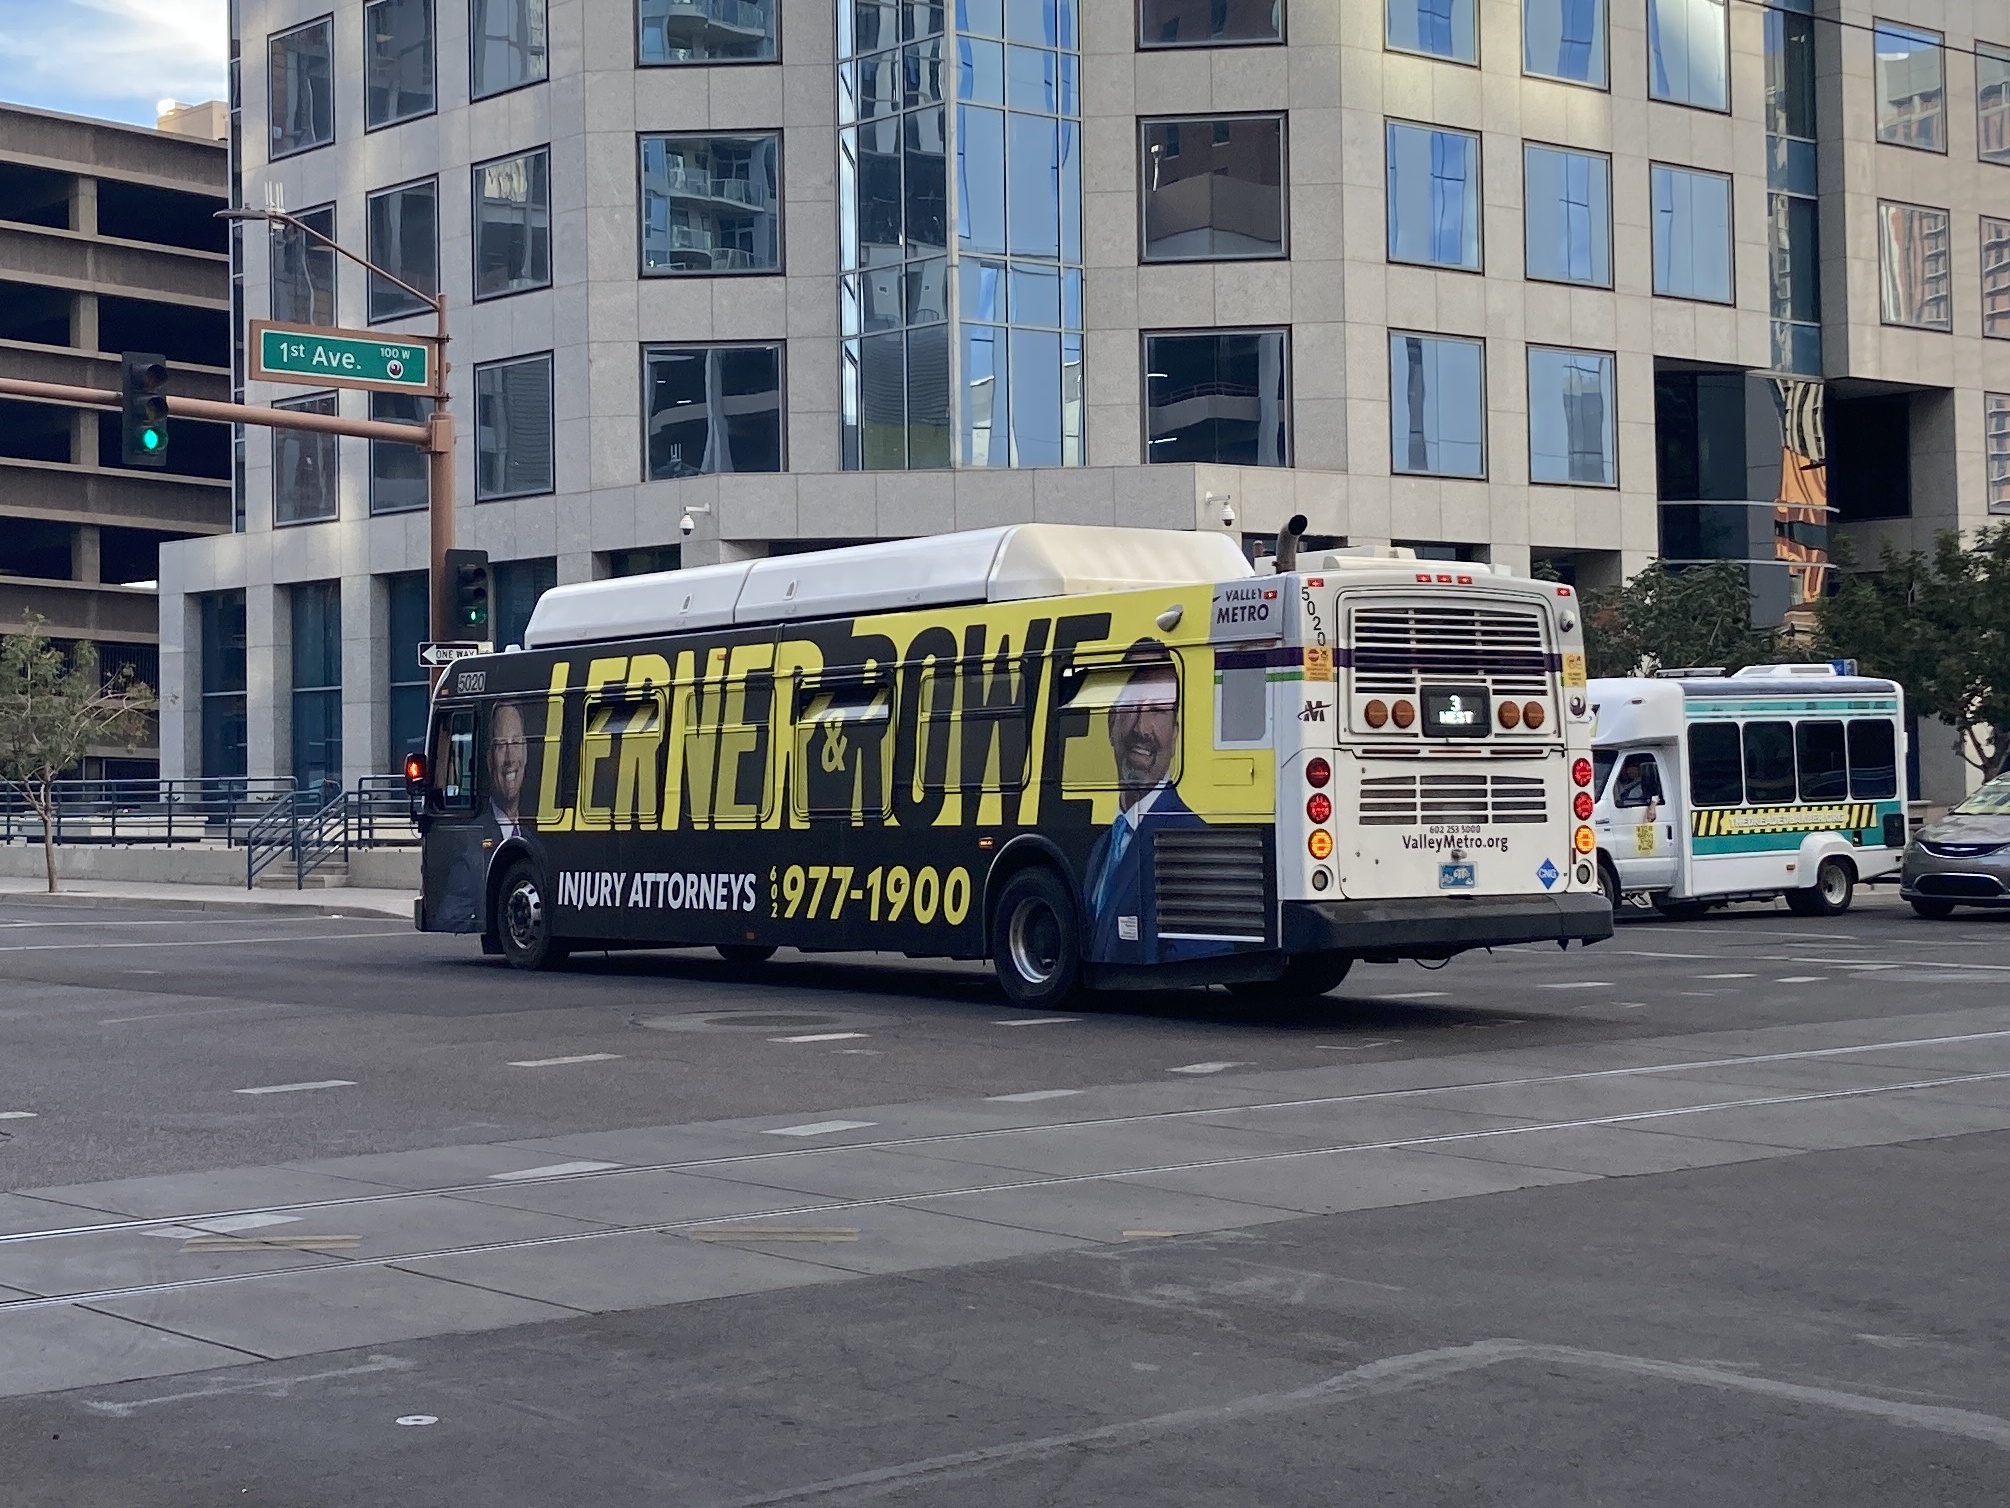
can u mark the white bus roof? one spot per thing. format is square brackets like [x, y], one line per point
[1009, 564]
[1641, 708]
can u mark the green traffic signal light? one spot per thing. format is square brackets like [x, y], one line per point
[143, 429]
[151, 438]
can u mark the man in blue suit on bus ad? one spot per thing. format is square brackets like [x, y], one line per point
[1144, 733]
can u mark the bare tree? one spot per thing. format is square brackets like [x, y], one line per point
[56, 708]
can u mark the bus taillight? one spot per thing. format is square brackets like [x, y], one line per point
[1320, 807]
[1586, 840]
[1582, 806]
[415, 769]
[1580, 772]
[1318, 772]
[1532, 715]
[1320, 845]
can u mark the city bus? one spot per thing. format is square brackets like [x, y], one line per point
[1780, 780]
[1101, 757]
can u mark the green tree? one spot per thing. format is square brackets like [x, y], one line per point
[53, 710]
[1937, 622]
[1698, 615]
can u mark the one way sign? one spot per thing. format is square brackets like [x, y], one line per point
[449, 651]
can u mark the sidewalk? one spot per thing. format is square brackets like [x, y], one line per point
[342, 901]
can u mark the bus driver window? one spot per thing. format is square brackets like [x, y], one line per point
[453, 788]
[1639, 782]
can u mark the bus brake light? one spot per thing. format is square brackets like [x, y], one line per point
[1320, 807]
[1580, 773]
[1317, 773]
[415, 769]
[1582, 806]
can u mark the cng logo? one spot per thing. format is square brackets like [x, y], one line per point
[1548, 873]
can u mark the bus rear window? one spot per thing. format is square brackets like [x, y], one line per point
[1716, 770]
[1873, 759]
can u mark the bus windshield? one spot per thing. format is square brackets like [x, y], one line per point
[1602, 761]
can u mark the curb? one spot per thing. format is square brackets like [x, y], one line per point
[98, 902]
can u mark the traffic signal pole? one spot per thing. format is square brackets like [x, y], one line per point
[421, 435]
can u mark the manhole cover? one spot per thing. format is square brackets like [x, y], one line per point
[763, 1021]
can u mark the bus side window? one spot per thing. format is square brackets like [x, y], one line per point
[1716, 765]
[453, 786]
[1242, 705]
[1115, 703]
[1873, 759]
[1769, 763]
[841, 729]
[1818, 751]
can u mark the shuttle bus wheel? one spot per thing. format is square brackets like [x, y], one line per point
[1608, 885]
[1036, 939]
[523, 921]
[1680, 911]
[1830, 895]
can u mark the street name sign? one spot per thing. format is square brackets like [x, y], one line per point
[315, 357]
[448, 651]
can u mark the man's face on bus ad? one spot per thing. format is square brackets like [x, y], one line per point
[506, 758]
[1144, 730]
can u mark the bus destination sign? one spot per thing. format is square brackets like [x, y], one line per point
[342, 358]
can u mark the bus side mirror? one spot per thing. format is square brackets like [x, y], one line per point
[415, 785]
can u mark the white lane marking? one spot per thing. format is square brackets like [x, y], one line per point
[270, 1387]
[221, 1010]
[584, 1057]
[553, 1170]
[1800, 979]
[229, 1225]
[819, 1128]
[1642, 953]
[204, 942]
[1039, 1021]
[416, 1421]
[1355, 1046]
[822, 1037]
[1414, 995]
[1727, 976]
[17, 1115]
[1579, 984]
[1031, 1095]
[1917, 963]
[1206, 1067]
[296, 1088]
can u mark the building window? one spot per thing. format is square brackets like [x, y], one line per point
[398, 473]
[1912, 262]
[711, 409]
[704, 31]
[645, 562]
[397, 61]
[1568, 198]
[405, 242]
[512, 201]
[1208, 23]
[1437, 406]
[1996, 448]
[1992, 103]
[1572, 403]
[518, 584]
[303, 466]
[410, 625]
[709, 204]
[303, 270]
[301, 88]
[506, 45]
[225, 724]
[1564, 39]
[317, 685]
[1911, 87]
[1996, 278]
[1218, 396]
[1437, 28]
[1434, 197]
[1790, 76]
[1794, 254]
[1692, 233]
[1213, 188]
[1689, 52]
[513, 428]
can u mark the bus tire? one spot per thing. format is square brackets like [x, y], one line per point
[1036, 938]
[746, 954]
[1830, 895]
[1680, 911]
[523, 920]
[1608, 884]
[1933, 911]
[1306, 976]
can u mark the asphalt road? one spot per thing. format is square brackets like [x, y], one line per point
[1705, 1212]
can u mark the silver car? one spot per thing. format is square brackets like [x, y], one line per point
[1964, 858]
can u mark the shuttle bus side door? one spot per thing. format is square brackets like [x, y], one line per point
[1644, 814]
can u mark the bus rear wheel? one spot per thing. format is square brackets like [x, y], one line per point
[523, 921]
[1830, 895]
[744, 955]
[1036, 939]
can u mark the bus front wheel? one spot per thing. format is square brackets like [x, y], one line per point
[523, 921]
[1830, 895]
[1036, 940]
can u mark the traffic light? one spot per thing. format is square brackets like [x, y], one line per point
[143, 432]
[469, 583]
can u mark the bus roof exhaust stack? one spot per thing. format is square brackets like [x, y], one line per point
[1287, 543]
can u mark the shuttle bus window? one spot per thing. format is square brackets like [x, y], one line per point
[1873, 759]
[454, 762]
[1639, 782]
[1716, 770]
[1818, 750]
[1769, 763]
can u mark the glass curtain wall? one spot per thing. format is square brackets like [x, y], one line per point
[225, 726]
[1793, 242]
[960, 306]
[317, 686]
[405, 677]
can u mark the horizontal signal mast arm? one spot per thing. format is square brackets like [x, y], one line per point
[421, 435]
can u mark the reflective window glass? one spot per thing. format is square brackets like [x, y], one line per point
[1689, 52]
[712, 409]
[1914, 282]
[405, 242]
[303, 270]
[1795, 235]
[1716, 766]
[704, 31]
[304, 478]
[1992, 103]
[512, 203]
[1437, 406]
[1568, 199]
[1823, 763]
[1911, 87]
[1769, 763]
[1434, 197]
[1572, 403]
[1032, 186]
[315, 608]
[1564, 39]
[1208, 23]
[980, 170]
[398, 473]
[406, 678]
[1873, 759]
[300, 88]
[1996, 451]
[513, 428]
[507, 45]
[1439, 28]
[1692, 233]
[1218, 396]
[1995, 278]
[1790, 74]
[710, 206]
[397, 61]
[1213, 188]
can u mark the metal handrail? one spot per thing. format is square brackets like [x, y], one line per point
[381, 812]
[275, 832]
[321, 835]
[142, 811]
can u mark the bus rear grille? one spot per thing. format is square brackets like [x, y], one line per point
[1211, 883]
[1411, 800]
[1396, 649]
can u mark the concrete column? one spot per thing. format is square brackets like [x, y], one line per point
[268, 673]
[84, 337]
[84, 206]
[84, 557]
[181, 681]
[366, 691]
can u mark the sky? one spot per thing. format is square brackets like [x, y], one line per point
[117, 59]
